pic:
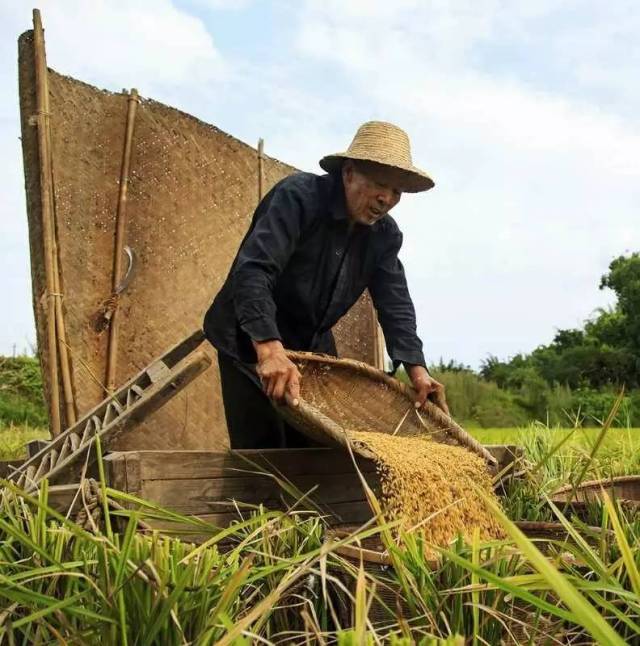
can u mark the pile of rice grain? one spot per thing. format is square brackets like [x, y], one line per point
[430, 484]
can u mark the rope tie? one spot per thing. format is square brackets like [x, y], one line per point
[90, 516]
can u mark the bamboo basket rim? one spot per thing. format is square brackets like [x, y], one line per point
[444, 422]
[550, 527]
[600, 482]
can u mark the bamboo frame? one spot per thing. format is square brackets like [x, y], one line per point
[623, 488]
[378, 339]
[48, 227]
[121, 221]
[70, 410]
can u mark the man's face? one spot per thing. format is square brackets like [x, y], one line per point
[371, 190]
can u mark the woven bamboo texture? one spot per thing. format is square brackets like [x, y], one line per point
[192, 189]
[342, 395]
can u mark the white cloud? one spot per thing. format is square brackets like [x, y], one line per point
[526, 113]
[148, 44]
[536, 187]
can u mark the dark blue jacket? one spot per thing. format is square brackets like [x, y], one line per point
[302, 265]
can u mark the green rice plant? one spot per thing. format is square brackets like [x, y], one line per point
[59, 581]
[576, 605]
[570, 590]
[271, 576]
[257, 579]
[451, 598]
[350, 638]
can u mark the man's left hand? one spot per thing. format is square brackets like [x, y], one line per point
[427, 387]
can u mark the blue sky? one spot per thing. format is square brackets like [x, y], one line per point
[526, 114]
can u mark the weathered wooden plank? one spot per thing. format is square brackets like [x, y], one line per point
[170, 465]
[63, 497]
[134, 479]
[335, 513]
[35, 446]
[353, 512]
[204, 483]
[200, 496]
[115, 468]
[175, 465]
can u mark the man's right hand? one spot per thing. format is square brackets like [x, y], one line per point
[279, 375]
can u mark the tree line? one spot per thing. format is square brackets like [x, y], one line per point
[574, 379]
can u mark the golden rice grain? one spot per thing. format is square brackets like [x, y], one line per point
[432, 486]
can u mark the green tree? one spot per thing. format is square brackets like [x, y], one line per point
[624, 279]
[608, 328]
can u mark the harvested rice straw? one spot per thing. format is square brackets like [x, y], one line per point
[431, 485]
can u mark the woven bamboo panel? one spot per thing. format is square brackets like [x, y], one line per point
[192, 191]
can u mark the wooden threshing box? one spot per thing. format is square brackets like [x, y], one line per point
[220, 486]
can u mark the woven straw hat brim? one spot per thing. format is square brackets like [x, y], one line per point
[414, 180]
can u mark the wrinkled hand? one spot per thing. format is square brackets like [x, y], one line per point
[427, 387]
[279, 375]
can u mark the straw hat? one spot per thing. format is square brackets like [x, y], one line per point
[386, 144]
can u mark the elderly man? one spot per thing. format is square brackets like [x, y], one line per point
[314, 245]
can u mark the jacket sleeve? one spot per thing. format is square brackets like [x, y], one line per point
[262, 257]
[395, 309]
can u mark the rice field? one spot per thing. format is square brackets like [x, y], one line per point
[277, 578]
[629, 436]
[13, 440]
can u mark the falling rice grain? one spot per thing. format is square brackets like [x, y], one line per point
[432, 486]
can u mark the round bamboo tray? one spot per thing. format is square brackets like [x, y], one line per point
[342, 395]
[549, 531]
[622, 488]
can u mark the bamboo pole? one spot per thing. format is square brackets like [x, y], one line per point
[378, 342]
[48, 228]
[260, 169]
[63, 348]
[121, 221]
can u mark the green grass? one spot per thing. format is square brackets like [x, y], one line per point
[21, 392]
[13, 440]
[271, 578]
[583, 436]
[23, 415]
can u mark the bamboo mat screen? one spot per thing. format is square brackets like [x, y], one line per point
[192, 190]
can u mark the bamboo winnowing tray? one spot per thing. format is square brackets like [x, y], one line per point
[342, 395]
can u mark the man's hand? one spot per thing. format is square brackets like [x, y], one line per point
[427, 387]
[279, 375]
